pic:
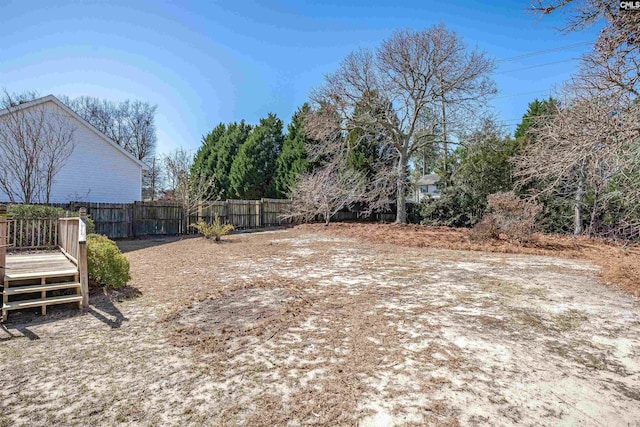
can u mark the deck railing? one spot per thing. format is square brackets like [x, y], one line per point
[3, 240]
[68, 240]
[32, 233]
[67, 234]
[72, 241]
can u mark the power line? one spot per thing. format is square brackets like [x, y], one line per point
[536, 66]
[522, 93]
[544, 52]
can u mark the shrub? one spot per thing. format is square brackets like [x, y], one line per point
[108, 267]
[509, 217]
[486, 229]
[34, 211]
[216, 229]
[43, 211]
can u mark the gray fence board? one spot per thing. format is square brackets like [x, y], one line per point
[139, 219]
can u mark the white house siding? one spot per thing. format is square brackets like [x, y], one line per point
[96, 171]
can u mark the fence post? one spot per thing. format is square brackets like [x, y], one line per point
[133, 220]
[82, 258]
[258, 213]
[4, 237]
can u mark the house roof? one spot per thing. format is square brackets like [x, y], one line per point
[430, 179]
[105, 138]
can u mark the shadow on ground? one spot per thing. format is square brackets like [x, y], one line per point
[101, 306]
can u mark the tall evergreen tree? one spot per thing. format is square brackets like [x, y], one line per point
[228, 146]
[536, 111]
[253, 169]
[207, 156]
[293, 159]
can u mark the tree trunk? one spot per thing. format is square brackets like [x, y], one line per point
[577, 204]
[445, 147]
[594, 214]
[401, 203]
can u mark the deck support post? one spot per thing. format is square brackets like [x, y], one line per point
[82, 259]
[4, 241]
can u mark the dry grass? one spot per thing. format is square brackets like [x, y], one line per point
[301, 327]
[620, 264]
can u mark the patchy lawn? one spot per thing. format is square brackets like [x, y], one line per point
[308, 326]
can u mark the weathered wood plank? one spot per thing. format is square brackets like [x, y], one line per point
[28, 266]
[40, 288]
[4, 239]
[41, 302]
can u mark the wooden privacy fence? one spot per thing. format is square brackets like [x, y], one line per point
[125, 220]
[153, 218]
[243, 214]
[114, 220]
[139, 219]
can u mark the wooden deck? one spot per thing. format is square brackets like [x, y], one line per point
[36, 265]
[32, 280]
[44, 277]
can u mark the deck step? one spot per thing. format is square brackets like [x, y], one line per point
[17, 305]
[40, 288]
[38, 275]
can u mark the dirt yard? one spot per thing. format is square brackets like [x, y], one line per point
[309, 327]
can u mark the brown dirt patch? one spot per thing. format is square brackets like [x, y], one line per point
[236, 311]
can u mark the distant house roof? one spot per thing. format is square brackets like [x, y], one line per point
[430, 179]
[73, 114]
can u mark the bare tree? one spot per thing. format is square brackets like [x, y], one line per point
[139, 120]
[323, 192]
[153, 178]
[591, 147]
[35, 143]
[393, 91]
[177, 166]
[615, 59]
[131, 124]
[187, 189]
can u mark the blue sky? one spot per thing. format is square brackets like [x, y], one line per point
[203, 62]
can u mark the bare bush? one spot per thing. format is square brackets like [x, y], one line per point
[324, 192]
[510, 218]
[486, 229]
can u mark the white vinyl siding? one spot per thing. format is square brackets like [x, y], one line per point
[96, 171]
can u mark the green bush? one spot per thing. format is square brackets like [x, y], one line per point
[107, 266]
[214, 230]
[34, 211]
[43, 211]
